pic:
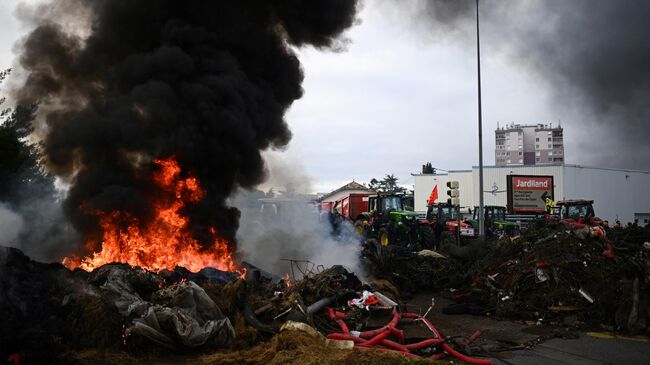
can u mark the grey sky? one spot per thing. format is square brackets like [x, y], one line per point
[396, 98]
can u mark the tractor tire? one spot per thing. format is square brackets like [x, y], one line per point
[427, 238]
[384, 238]
[361, 228]
[382, 249]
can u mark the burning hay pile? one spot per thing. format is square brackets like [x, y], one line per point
[554, 275]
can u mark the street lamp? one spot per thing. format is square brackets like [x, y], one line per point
[481, 218]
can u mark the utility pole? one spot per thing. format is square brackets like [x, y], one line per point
[481, 218]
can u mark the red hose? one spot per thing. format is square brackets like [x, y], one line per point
[344, 337]
[391, 325]
[450, 350]
[394, 345]
[426, 321]
[375, 340]
[423, 344]
[472, 338]
[446, 346]
[340, 322]
[378, 337]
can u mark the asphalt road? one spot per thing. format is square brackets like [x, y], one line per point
[585, 350]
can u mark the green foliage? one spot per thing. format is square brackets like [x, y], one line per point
[20, 170]
[387, 185]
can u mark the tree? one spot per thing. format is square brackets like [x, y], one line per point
[389, 184]
[373, 184]
[20, 172]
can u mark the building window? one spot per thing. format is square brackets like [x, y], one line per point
[537, 139]
[537, 159]
[520, 146]
[549, 139]
[520, 161]
[537, 146]
[519, 153]
[549, 146]
[509, 161]
[538, 153]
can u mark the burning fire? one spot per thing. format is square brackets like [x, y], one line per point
[287, 281]
[166, 242]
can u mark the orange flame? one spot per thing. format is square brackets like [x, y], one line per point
[164, 243]
[287, 281]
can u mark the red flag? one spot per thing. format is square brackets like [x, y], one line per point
[434, 196]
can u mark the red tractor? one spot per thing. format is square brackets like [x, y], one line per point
[444, 220]
[576, 213]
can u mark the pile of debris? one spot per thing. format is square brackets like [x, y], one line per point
[54, 315]
[48, 309]
[563, 276]
[414, 271]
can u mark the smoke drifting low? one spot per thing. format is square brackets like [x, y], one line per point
[289, 227]
[593, 54]
[121, 83]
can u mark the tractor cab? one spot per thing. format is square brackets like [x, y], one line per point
[495, 219]
[577, 213]
[381, 204]
[391, 221]
[448, 215]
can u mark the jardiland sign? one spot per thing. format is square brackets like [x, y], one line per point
[528, 193]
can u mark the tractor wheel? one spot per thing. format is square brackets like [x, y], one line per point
[427, 238]
[360, 228]
[384, 238]
[384, 245]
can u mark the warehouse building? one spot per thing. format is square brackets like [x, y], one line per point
[617, 193]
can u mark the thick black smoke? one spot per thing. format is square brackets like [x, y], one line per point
[205, 82]
[594, 55]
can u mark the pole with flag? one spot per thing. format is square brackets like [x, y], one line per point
[434, 196]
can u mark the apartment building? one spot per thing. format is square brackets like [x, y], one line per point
[538, 144]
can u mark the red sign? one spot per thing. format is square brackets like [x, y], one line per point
[527, 194]
[531, 183]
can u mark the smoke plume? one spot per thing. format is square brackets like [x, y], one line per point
[593, 54]
[121, 83]
[286, 224]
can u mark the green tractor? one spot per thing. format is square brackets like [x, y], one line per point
[495, 220]
[391, 224]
